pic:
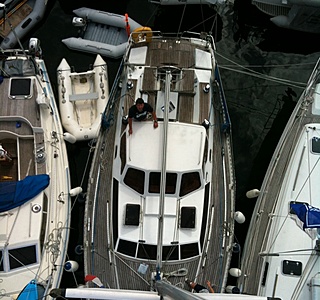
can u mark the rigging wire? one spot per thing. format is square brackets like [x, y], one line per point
[245, 70]
[184, 9]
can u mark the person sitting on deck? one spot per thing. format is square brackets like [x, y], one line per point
[200, 288]
[140, 112]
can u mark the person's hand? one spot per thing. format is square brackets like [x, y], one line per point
[155, 124]
[130, 131]
[211, 290]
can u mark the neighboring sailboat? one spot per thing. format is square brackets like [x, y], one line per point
[301, 15]
[34, 176]
[160, 202]
[83, 98]
[282, 248]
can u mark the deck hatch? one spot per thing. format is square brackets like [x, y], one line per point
[188, 217]
[291, 267]
[20, 88]
[132, 214]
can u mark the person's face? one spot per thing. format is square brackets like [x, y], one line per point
[140, 106]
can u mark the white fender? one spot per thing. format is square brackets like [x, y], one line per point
[71, 266]
[253, 193]
[239, 217]
[69, 137]
[235, 272]
[76, 191]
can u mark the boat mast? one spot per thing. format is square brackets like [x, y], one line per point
[163, 169]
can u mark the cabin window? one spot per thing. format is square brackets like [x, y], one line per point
[315, 145]
[123, 150]
[134, 178]
[1, 260]
[147, 251]
[189, 183]
[265, 273]
[154, 182]
[170, 252]
[188, 217]
[127, 248]
[189, 250]
[22, 256]
[132, 214]
[291, 267]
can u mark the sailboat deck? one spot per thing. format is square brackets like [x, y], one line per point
[18, 121]
[98, 240]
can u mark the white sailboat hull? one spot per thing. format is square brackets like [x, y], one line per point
[281, 254]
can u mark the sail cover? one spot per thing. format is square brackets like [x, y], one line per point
[16, 193]
[308, 215]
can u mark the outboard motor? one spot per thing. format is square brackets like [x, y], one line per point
[78, 22]
[4, 155]
[34, 47]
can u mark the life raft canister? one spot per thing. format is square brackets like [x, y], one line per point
[142, 34]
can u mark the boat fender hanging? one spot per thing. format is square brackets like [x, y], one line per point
[253, 193]
[71, 266]
[235, 272]
[232, 289]
[69, 137]
[75, 191]
[239, 217]
[315, 286]
[142, 34]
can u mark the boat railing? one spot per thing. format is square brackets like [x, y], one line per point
[180, 35]
[313, 80]
[227, 122]
[107, 116]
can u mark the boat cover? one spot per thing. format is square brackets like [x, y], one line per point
[32, 291]
[16, 193]
[309, 215]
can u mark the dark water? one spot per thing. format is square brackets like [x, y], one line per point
[258, 110]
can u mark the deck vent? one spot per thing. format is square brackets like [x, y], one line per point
[132, 214]
[188, 217]
[291, 267]
[20, 88]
